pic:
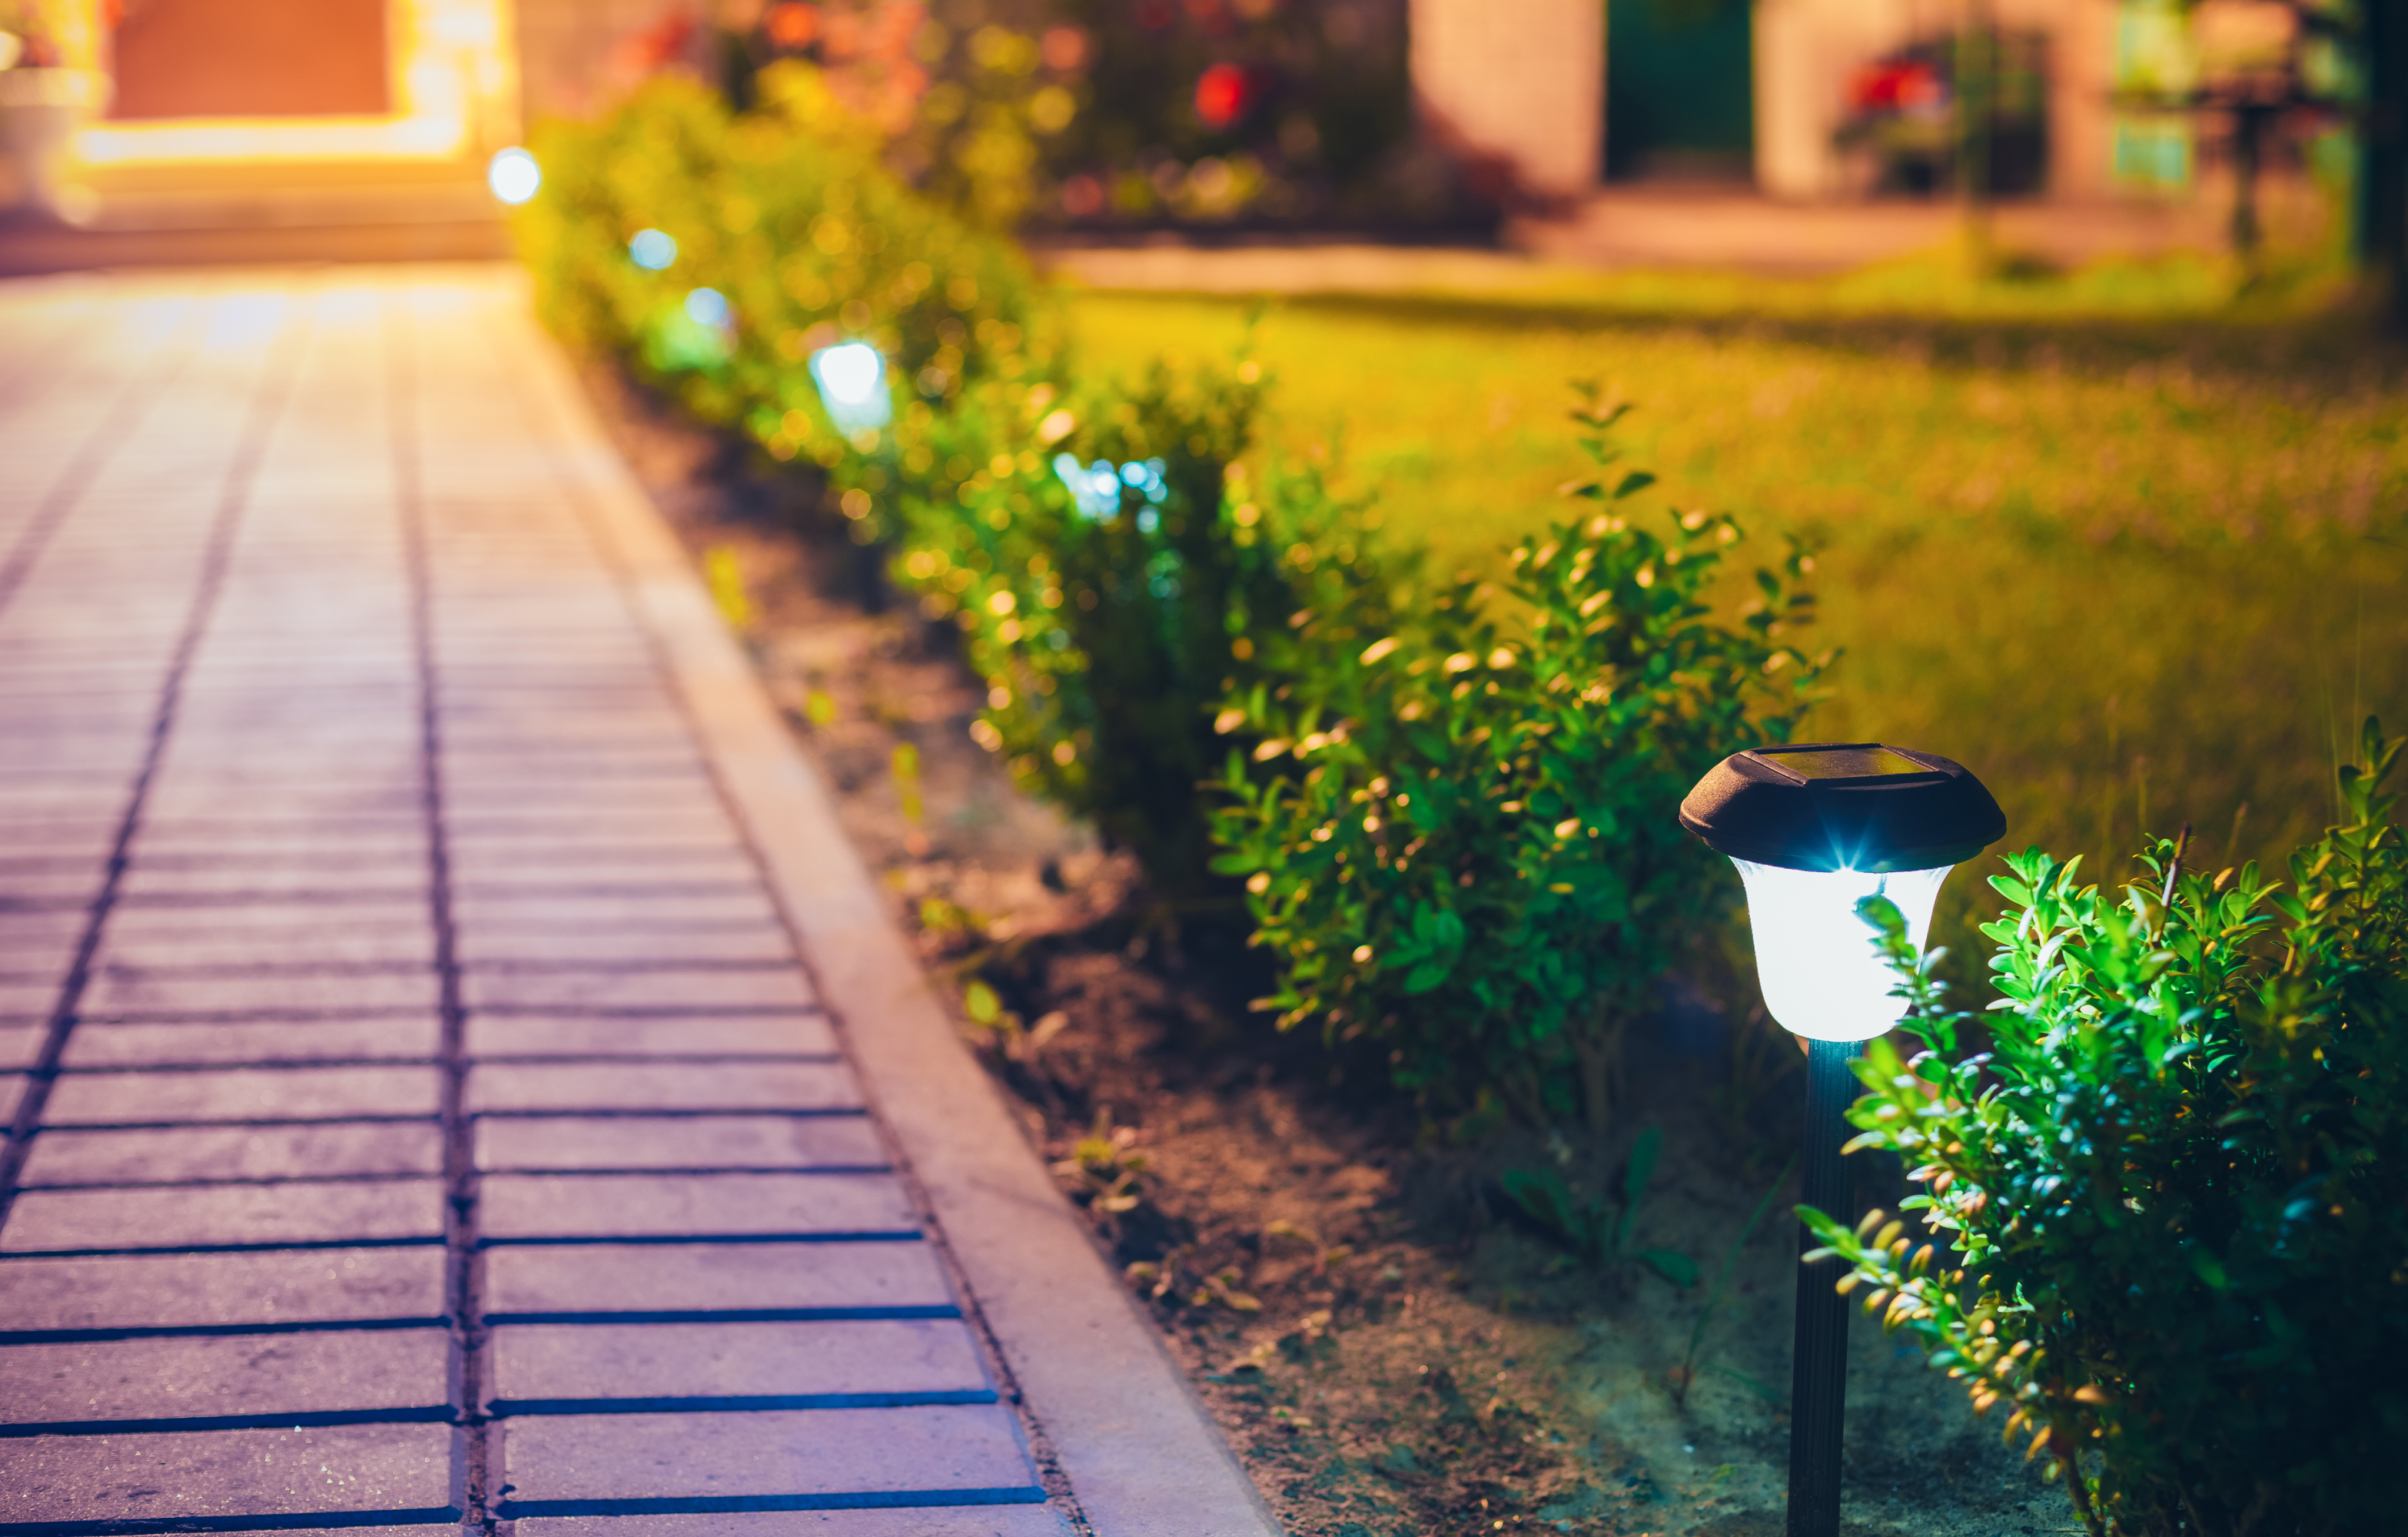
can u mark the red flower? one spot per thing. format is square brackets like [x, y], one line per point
[1895, 85]
[1222, 97]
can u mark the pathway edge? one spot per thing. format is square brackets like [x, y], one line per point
[1141, 1453]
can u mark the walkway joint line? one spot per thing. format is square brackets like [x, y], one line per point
[461, 1181]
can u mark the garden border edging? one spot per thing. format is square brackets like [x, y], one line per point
[1139, 1449]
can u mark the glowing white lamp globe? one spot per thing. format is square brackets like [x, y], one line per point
[1813, 829]
[1822, 973]
[513, 175]
[852, 379]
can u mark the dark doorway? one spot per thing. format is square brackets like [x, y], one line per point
[251, 58]
[1680, 89]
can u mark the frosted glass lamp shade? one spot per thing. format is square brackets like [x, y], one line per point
[1815, 827]
[1817, 961]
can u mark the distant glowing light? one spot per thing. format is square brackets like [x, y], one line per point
[852, 379]
[1097, 491]
[513, 174]
[1096, 488]
[652, 251]
[707, 307]
[1823, 974]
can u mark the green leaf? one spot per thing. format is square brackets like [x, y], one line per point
[980, 1002]
[1675, 1267]
[1427, 975]
[1632, 483]
[1767, 1394]
[1642, 1165]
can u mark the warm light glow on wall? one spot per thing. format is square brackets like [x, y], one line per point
[454, 81]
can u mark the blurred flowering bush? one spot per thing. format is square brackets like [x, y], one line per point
[1264, 112]
[1104, 112]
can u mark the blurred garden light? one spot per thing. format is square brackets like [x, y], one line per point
[707, 307]
[852, 379]
[1815, 829]
[513, 175]
[651, 250]
[1096, 488]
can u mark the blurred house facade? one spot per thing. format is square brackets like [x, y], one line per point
[317, 113]
[1812, 100]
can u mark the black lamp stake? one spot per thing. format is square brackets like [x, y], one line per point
[1814, 826]
[1818, 1383]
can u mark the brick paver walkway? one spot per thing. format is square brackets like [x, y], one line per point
[420, 1113]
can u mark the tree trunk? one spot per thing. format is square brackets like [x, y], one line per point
[2382, 170]
[2250, 126]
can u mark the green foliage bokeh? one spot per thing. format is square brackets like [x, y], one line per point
[788, 213]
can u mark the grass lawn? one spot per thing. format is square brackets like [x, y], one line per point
[2132, 559]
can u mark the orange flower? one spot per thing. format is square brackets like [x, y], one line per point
[793, 25]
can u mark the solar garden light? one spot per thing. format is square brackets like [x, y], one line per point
[1813, 829]
[852, 379]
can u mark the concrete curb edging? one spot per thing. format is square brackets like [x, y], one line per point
[1143, 1457]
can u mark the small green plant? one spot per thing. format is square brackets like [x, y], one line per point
[1168, 1279]
[1324, 1254]
[2168, 1207]
[1601, 1238]
[1105, 1168]
[1684, 1377]
[1002, 1029]
[1455, 834]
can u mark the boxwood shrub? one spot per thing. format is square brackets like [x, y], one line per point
[1457, 831]
[2169, 1200]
